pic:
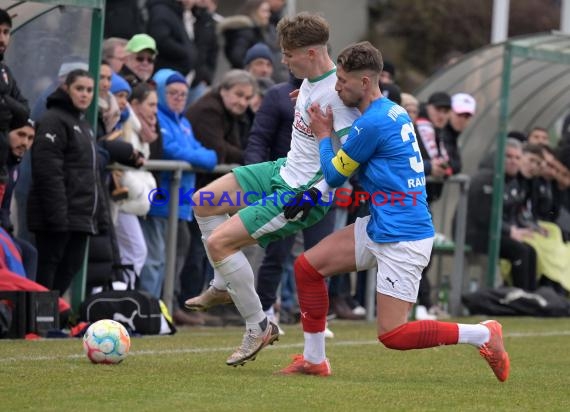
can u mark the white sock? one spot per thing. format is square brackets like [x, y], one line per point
[240, 283]
[314, 347]
[476, 335]
[207, 226]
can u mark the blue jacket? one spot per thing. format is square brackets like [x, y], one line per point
[179, 143]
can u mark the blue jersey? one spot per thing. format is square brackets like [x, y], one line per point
[382, 145]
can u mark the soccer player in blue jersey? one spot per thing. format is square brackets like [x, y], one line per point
[397, 237]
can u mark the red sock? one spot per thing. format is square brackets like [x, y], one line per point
[421, 334]
[313, 296]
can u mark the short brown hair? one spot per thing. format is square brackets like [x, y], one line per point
[361, 56]
[305, 29]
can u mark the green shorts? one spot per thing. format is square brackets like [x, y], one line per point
[265, 193]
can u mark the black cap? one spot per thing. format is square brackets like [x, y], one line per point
[440, 99]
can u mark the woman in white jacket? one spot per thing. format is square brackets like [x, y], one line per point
[138, 120]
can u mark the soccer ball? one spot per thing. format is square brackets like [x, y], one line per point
[107, 342]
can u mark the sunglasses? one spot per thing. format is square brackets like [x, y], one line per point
[142, 59]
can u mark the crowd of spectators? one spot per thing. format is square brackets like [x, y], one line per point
[158, 99]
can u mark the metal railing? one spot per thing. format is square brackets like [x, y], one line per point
[177, 167]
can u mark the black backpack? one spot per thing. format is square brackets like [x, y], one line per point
[138, 311]
[510, 301]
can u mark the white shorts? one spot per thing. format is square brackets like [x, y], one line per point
[400, 264]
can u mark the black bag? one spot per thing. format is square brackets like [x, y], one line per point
[138, 311]
[509, 301]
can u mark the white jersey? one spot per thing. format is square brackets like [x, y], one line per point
[303, 160]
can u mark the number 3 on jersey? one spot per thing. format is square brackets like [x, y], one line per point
[408, 133]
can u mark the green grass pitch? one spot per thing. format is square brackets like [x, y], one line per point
[187, 372]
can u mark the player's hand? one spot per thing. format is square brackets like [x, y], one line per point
[321, 123]
[302, 203]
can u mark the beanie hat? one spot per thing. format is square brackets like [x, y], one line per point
[119, 84]
[175, 78]
[258, 51]
[20, 119]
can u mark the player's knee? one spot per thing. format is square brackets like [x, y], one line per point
[216, 245]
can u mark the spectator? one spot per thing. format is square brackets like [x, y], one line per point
[206, 39]
[488, 160]
[280, 72]
[243, 31]
[12, 103]
[259, 61]
[538, 136]
[108, 113]
[64, 195]
[219, 122]
[411, 104]
[114, 52]
[179, 144]
[438, 138]
[139, 183]
[139, 63]
[123, 18]
[171, 25]
[20, 138]
[512, 247]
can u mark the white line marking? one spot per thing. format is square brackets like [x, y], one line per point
[278, 347]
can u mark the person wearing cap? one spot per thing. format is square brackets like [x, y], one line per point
[12, 102]
[438, 163]
[259, 60]
[20, 138]
[463, 107]
[179, 143]
[139, 62]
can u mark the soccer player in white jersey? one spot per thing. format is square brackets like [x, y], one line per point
[396, 238]
[276, 189]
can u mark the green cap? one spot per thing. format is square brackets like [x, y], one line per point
[140, 42]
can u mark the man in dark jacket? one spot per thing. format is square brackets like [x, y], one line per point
[166, 25]
[521, 255]
[123, 18]
[11, 100]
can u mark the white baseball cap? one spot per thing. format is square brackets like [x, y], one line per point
[463, 103]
